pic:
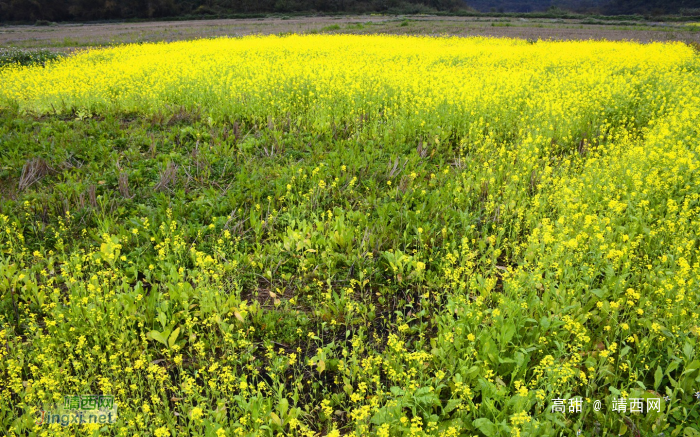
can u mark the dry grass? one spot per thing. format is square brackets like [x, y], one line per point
[32, 172]
[92, 195]
[124, 185]
[167, 177]
[183, 116]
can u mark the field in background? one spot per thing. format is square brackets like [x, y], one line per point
[352, 235]
[67, 36]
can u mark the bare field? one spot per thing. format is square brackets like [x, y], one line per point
[70, 36]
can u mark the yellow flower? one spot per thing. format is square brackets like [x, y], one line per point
[197, 413]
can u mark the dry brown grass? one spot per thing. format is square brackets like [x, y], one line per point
[32, 172]
[183, 115]
[92, 195]
[124, 185]
[167, 177]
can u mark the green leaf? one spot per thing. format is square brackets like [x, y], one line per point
[472, 373]
[486, 427]
[658, 375]
[283, 406]
[425, 397]
[490, 350]
[173, 338]
[674, 383]
[159, 337]
[451, 405]
[692, 366]
[507, 333]
[162, 319]
[688, 350]
[396, 391]
[276, 419]
[690, 432]
[598, 292]
[623, 429]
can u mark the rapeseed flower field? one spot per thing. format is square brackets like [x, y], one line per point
[354, 235]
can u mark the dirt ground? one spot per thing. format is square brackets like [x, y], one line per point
[71, 36]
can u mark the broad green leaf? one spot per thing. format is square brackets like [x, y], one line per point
[173, 337]
[159, 337]
[486, 426]
[276, 419]
[658, 375]
[451, 405]
[283, 406]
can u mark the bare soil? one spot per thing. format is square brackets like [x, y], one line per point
[71, 36]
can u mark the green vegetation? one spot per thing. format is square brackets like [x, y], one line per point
[343, 249]
[9, 57]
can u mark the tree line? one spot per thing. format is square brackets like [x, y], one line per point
[600, 7]
[89, 10]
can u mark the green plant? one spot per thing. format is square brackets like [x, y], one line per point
[20, 57]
